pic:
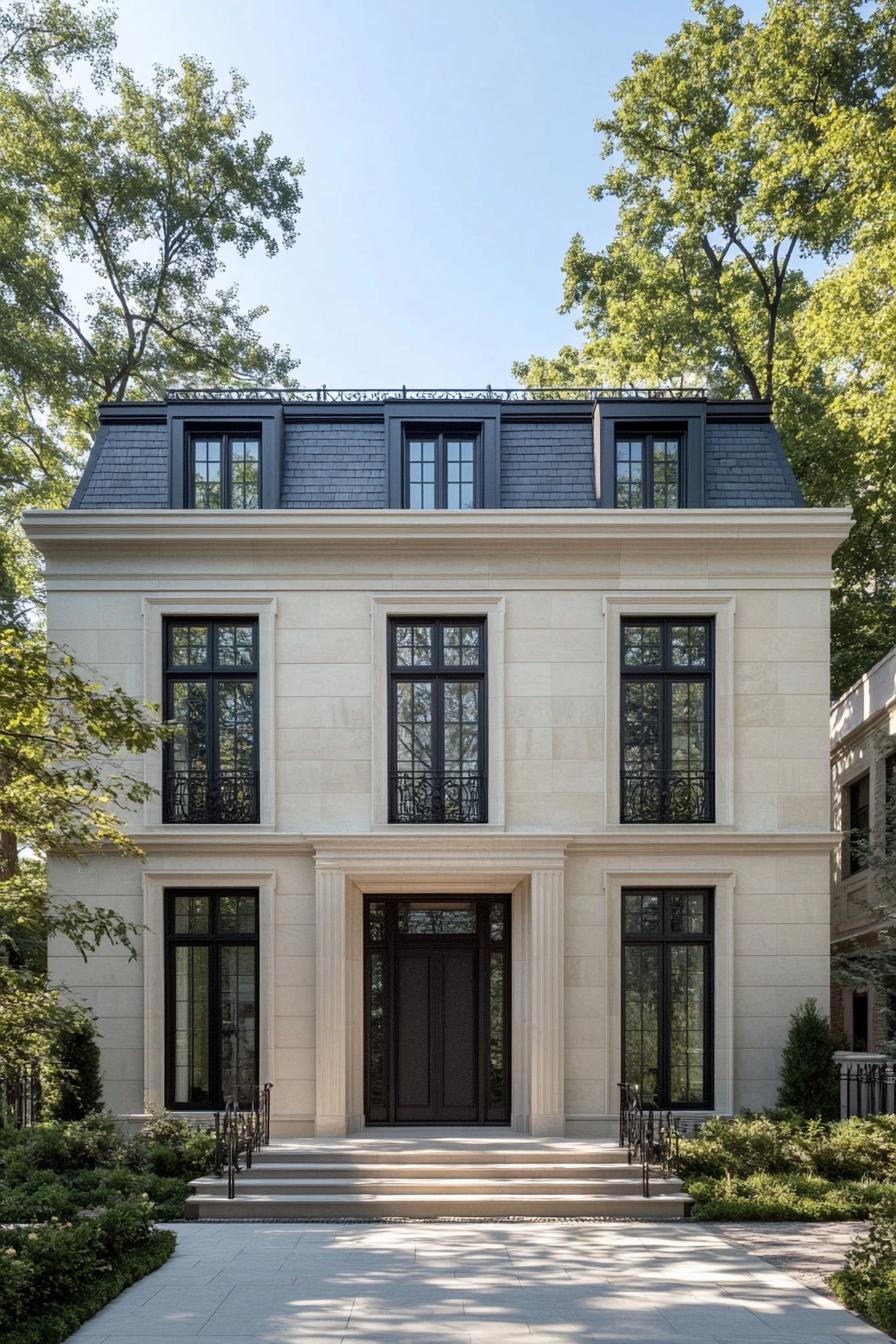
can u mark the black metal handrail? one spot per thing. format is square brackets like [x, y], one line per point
[438, 796]
[195, 796]
[21, 1097]
[668, 796]
[650, 1135]
[868, 1089]
[240, 1132]
[487, 393]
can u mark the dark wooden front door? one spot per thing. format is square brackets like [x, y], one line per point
[437, 1010]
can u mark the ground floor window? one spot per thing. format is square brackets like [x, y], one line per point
[211, 998]
[667, 943]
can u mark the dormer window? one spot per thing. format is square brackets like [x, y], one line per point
[648, 471]
[441, 469]
[224, 471]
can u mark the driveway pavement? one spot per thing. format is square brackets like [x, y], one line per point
[496, 1283]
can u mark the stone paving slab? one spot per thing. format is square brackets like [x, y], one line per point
[538, 1283]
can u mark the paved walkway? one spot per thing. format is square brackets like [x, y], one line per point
[447, 1283]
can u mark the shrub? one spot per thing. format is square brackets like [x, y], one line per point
[810, 1077]
[54, 1278]
[867, 1282]
[785, 1197]
[856, 1148]
[742, 1147]
[76, 1088]
[94, 1141]
[169, 1145]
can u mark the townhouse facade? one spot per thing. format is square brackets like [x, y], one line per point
[500, 764]
[863, 786]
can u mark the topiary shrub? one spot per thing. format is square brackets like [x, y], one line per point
[75, 1087]
[810, 1076]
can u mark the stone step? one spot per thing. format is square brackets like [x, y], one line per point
[433, 1186]
[472, 1169]
[440, 1205]
[282, 1153]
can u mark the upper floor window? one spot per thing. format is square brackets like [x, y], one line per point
[211, 697]
[859, 803]
[667, 717]
[437, 730]
[441, 470]
[224, 471]
[648, 471]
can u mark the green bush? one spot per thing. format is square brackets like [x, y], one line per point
[743, 1147]
[810, 1076]
[784, 1197]
[54, 1278]
[867, 1282]
[75, 1089]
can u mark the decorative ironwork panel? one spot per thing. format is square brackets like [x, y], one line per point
[359, 394]
[668, 796]
[430, 795]
[227, 797]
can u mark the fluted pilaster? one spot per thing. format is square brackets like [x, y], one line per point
[330, 1002]
[546, 1002]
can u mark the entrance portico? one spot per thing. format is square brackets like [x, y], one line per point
[348, 868]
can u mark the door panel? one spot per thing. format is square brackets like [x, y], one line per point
[414, 1036]
[459, 1072]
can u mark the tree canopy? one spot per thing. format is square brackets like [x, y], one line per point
[752, 167]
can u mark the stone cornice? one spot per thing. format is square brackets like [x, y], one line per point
[821, 528]
[461, 847]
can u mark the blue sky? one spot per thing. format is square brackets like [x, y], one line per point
[448, 149]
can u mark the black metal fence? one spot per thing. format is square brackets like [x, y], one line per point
[21, 1097]
[867, 1089]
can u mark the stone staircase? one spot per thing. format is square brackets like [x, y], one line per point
[491, 1175]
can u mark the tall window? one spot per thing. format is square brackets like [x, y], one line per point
[441, 470]
[859, 801]
[211, 998]
[667, 994]
[648, 472]
[667, 675]
[437, 747]
[211, 697]
[224, 471]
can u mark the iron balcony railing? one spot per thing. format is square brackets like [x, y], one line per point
[668, 796]
[194, 796]
[438, 796]
[373, 394]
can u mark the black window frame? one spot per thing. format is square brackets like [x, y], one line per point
[215, 939]
[665, 939]
[440, 434]
[862, 831]
[646, 439]
[438, 673]
[227, 438]
[216, 809]
[664, 782]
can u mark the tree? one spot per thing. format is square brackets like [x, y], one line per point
[63, 788]
[810, 1076]
[740, 153]
[148, 190]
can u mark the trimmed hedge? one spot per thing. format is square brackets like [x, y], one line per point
[781, 1166]
[867, 1282]
[55, 1277]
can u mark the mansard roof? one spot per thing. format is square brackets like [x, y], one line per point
[335, 449]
